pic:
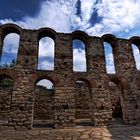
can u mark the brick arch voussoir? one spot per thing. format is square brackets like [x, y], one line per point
[109, 38]
[46, 32]
[81, 36]
[40, 76]
[10, 28]
[89, 81]
[135, 40]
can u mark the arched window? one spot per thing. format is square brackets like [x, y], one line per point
[79, 56]
[43, 103]
[45, 83]
[10, 50]
[136, 54]
[46, 54]
[110, 67]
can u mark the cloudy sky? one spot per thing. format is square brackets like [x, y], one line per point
[95, 17]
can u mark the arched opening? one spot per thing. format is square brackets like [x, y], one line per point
[109, 59]
[116, 103]
[79, 56]
[43, 104]
[46, 54]
[10, 50]
[82, 103]
[6, 88]
[136, 55]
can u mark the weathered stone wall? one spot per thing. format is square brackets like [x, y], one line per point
[5, 105]
[25, 75]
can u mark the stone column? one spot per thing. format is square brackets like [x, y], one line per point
[23, 92]
[99, 92]
[27, 54]
[125, 68]
[64, 90]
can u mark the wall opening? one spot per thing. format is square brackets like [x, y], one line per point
[136, 55]
[6, 88]
[109, 59]
[82, 103]
[43, 104]
[79, 56]
[9, 50]
[46, 54]
[116, 103]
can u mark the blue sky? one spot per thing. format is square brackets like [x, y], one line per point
[17, 9]
[95, 17]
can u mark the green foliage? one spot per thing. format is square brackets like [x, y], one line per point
[11, 65]
[6, 82]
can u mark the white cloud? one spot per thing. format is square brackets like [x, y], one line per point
[136, 54]
[11, 43]
[110, 67]
[79, 60]
[53, 14]
[10, 48]
[46, 83]
[117, 15]
[46, 51]
[46, 47]
[46, 65]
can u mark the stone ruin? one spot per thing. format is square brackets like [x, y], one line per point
[23, 105]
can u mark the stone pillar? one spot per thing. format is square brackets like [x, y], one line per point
[27, 54]
[64, 109]
[23, 92]
[100, 93]
[95, 56]
[125, 68]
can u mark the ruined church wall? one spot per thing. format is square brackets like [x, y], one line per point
[26, 75]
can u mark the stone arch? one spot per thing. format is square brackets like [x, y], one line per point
[9, 32]
[80, 35]
[46, 43]
[8, 28]
[42, 76]
[80, 45]
[43, 103]
[111, 39]
[135, 47]
[46, 32]
[109, 43]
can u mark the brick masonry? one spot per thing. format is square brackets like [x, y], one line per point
[21, 99]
